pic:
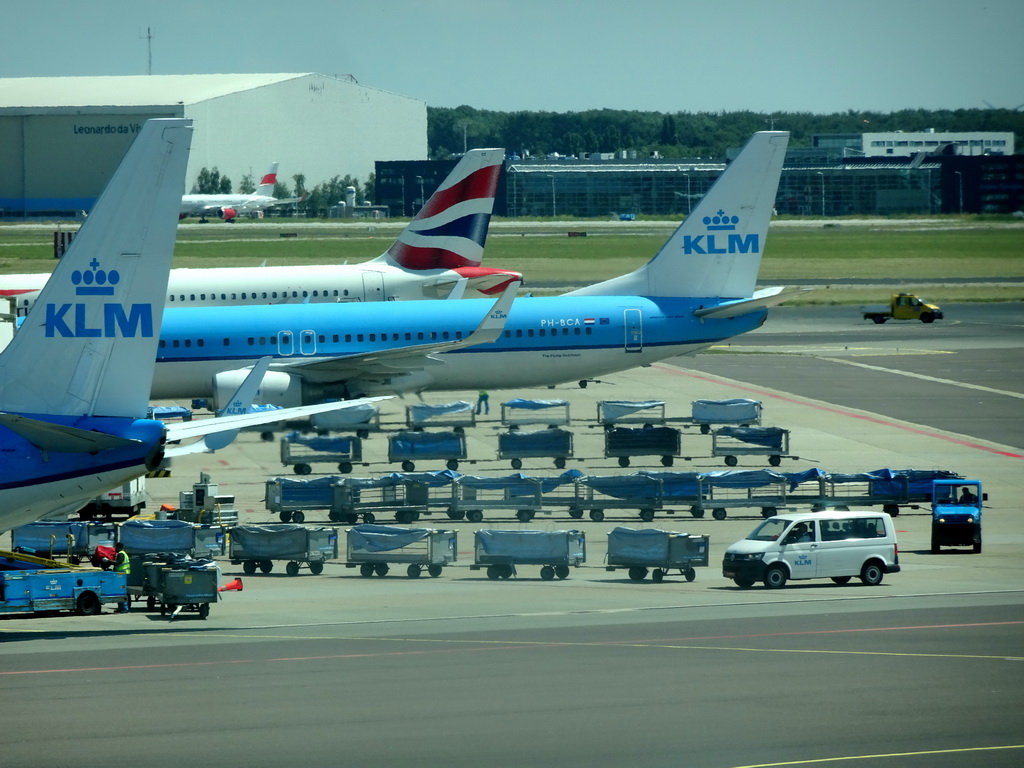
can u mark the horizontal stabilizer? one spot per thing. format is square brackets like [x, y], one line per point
[47, 436]
[767, 297]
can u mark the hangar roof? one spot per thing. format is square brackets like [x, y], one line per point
[128, 91]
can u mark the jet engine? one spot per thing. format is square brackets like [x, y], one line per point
[278, 388]
[228, 214]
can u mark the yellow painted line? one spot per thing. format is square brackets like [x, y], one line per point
[884, 756]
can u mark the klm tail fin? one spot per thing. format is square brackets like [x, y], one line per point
[716, 252]
[266, 186]
[90, 347]
[450, 230]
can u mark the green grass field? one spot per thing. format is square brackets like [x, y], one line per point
[926, 257]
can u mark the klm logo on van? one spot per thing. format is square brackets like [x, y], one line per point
[721, 238]
[69, 320]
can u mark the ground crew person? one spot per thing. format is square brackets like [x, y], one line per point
[482, 402]
[122, 564]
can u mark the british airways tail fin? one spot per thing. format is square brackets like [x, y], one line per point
[266, 186]
[91, 348]
[450, 230]
[716, 252]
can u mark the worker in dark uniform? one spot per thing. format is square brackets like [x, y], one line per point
[122, 564]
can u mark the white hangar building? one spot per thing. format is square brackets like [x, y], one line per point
[62, 137]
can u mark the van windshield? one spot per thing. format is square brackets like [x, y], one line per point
[770, 530]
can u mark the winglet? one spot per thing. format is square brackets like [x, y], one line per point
[493, 324]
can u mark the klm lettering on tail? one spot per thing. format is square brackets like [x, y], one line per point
[721, 238]
[69, 320]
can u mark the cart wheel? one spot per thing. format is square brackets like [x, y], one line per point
[292, 569]
[286, 517]
[434, 570]
[647, 515]
[249, 567]
[775, 460]
[697, 512]
[562, 571]
[362, 434]
[657, 575]
[893, 510]
[623, 461]
[381, 569]
[403, 516]
[345, 467]
[576, 514]
[517, 463]
[547, 573]
[368, 518]
[414, 570]
[597, 515]
[267, 437]
[767, 512]
[690, 574]
[408, 466]
[559, 463]
[507, 571]
[718, 513]
[730, 461]
[452, 464]
[204, 610]
[524, 515]
[334, 516]
[298, 517]
[266, 566]
[366, 570]
[705, 428]
[316, 567]
[493, 572]
[457, 514]
[667, 461]
[475, 516]
[303, 469]
[150, 603]
[637, 573]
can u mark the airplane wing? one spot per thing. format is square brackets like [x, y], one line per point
[398, 359]
[766, 297]
[47, 436]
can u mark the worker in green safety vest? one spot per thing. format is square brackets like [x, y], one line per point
[122, 564]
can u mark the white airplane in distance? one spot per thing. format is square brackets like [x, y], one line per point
[76, 377]
[439, 251]
[698, 290]
[228, 207]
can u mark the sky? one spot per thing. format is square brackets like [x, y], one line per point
[817, 56]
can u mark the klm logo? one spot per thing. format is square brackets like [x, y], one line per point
[69, 320]
[721, 238]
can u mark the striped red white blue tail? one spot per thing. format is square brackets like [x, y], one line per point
[450, 230]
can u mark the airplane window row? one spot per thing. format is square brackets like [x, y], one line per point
[307, 338]
[576, 331]
[254, 295]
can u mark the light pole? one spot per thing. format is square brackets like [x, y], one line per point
[822, 192]
[960, 180]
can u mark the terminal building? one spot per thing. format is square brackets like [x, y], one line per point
[62, 137]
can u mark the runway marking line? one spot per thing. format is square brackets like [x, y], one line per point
[807, 403]
[821, 760]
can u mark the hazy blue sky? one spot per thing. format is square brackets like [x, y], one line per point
[559, 55]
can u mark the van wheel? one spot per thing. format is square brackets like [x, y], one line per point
[841, 579]
[775, 577]
[744, 583]
[871, 574]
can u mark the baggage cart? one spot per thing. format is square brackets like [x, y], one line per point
[456, 415]
[641, 550]
[175, 584]
[626, 442]
[258, 546]
[731, 442]
[600, 494]
[405, 494]
[555, 551]
[472, 496]
[761, 489]
[679, 489]
[520, 412]
[361, 419]
[733, 412]
[553, 443]
[292, 498]
[301, 452]
[77, 541]
[409, 446]
[374, 548]
[611, 412]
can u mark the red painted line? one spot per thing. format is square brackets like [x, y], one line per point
[841, 412]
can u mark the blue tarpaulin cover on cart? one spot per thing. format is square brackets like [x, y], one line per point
[918, 482]
[525, 545]
[353, 416]
[431, 479]
[157, 536]
[420, 413]
[807, 476]
[647, 545]
[34, 538]
[624, 486]
[384, 538]
[769, 437]
[164, 412]
[550, 483]
[535, 405]
[618, 409]
[547, 442]
[724, 411]
[676, 485]
[325, 444]
[516, 484]
[742, 478]
[285, 541]
[432, 444]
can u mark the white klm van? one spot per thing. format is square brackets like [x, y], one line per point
[815, 545]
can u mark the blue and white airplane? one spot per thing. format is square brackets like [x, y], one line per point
[75, 379]
[698, 290]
